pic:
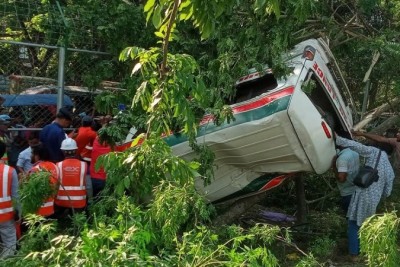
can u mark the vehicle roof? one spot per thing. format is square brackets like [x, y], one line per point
[32, 100]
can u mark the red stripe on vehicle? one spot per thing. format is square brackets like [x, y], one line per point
[275, 182]
[264, 100]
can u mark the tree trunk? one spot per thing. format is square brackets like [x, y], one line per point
[301, 199]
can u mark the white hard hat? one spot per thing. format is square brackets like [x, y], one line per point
[68, 144]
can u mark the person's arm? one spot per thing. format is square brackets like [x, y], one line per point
[373, 137]
[341, 169]
[341, 177]
[20, 163]
[362, 150]
[14, 194]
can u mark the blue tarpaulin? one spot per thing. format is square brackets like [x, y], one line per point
[32, 100]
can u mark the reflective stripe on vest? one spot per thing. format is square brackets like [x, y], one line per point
[71, 197]
[67, 188]
[6, 210]
[72, 189]
[4, 199]
[6, 207]
[86, 153]
[47, 208]
[47, 204]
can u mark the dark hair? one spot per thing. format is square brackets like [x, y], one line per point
[96, 126]
[3, 148]
[33, 135]
[87, 123]
[64, 113]
[41, 151]
[69, 152]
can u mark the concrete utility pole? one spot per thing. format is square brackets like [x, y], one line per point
[61, 77]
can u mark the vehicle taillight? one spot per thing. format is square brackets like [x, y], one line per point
[326, 129]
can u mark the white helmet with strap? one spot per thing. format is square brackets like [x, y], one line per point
[69, 144]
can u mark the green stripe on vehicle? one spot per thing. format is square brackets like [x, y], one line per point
[240, 118]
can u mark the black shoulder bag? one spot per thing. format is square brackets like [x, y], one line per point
[367, 175]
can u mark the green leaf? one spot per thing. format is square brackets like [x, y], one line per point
[157, 17]
[194, 165]
[149, 5]
[159, 34]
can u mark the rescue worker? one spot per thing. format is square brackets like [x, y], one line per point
[41, 162]
[8, 215]
[72, 190]
[85, 139]
[98, 175]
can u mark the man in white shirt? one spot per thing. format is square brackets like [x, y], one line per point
[24, 163]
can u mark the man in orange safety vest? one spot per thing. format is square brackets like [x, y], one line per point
[41, 162]
[8, 216]
[72, 190]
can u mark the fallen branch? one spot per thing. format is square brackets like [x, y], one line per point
[375, 113]
[387, 124]
[321, 198]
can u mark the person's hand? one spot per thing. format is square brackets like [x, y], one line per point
[17, 217]
[21, 176]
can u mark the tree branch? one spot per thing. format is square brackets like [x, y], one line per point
[166, 38]
[375, 113]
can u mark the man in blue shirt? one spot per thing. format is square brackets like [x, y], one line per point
[346, 167]
[53, 134]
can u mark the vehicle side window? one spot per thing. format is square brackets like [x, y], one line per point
[254, 88]
[318, 96]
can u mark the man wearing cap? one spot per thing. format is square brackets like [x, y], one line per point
[85, 138]
[53, 134]
[73, 179]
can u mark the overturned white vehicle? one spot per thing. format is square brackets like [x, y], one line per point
[281, 126]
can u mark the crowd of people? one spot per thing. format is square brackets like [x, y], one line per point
[68, 157]
[360, 203]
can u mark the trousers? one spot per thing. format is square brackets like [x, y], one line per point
[354, 241]
[8, 236]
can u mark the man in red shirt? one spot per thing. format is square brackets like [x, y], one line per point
[85, 138]
[98, 177]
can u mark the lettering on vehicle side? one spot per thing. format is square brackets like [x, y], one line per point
[331, 91]
[71, 169]
[249, 77]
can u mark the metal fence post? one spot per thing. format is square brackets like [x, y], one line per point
[61, 77]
